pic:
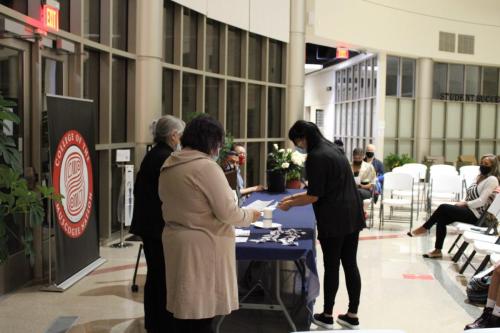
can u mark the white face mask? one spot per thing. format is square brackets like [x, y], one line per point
[216, 157]
[178, 147]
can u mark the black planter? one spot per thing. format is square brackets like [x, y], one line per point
[276, 181]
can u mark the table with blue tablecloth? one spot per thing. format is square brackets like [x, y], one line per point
[300, 218]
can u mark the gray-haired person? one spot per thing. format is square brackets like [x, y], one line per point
[148, 223]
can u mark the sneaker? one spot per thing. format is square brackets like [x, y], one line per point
[323, 321]
[493, 321]
[481, 321]
[349, 322]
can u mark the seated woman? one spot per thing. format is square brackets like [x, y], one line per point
[479, 197]
[364, 174]
[491, 314]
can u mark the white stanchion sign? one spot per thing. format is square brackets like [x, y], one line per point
[129, 194]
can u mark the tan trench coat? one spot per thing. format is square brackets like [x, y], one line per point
[200, 213]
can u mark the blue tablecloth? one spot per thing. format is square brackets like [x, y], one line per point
[298, 218]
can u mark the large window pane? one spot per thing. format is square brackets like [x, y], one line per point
[167, 97]
[190, 38]
[212, 97]
[188, 96]
[254, 107]
[472, 80]
[253, 164]
[92, 19]
[470, 121]
[275, 60]
[274, 112]
[490, 81]
[213, 45]
[64, 13]
[18, 5]
[439, 80]
[453, 120]
[408, 78]
[487, 126]
[168, 31]
[120, 24]
[233, 108]
[456, 79]
[451, 151]
[255, 57]
[391, 85]
[234, 51]
[119, 100]
[406, 107]
[390, 114]
[437, 123]
[91, 86]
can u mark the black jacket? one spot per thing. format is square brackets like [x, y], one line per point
[147, 220]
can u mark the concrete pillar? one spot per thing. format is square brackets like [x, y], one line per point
[296, 56]
[423, 107]
[148, 82]
[379, 116]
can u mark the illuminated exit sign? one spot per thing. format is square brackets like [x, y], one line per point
[50, 15]
[342, 53]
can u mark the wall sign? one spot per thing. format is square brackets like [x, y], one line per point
[469, 98]
[50, 16]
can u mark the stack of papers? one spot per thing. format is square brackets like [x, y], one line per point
[241, 233]
[259, 205]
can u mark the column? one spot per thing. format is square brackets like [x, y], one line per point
[379, 116]
[423, 107]
[296, 56]
[148, 83]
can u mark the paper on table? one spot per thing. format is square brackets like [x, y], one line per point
[259, 205]
[241, 239]
[241, 232]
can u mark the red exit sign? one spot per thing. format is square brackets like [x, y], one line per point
[342, 53]
[50, 17]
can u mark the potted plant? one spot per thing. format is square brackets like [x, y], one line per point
[294, 173]
[18, 199]
[394, 160]
[284, 168]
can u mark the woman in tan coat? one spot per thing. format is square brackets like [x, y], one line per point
[200, 212]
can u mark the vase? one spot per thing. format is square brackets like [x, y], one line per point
[276, 181]
[294, 184]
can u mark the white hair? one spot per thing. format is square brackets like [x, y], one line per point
[166, 126]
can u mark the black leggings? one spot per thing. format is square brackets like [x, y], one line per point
[193, 325]
[447, 214]
[335, 250]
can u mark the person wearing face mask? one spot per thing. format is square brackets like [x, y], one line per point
[198, 238]
[364, 174]
[147, 221]
[339, 214]
[241, 155]
[370, 158]
[479, 196]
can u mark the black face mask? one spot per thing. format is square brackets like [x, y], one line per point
[356, 174]
[484, 169]
[370, 154]
[357, 163]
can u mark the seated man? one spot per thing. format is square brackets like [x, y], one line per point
[364, 174]
[377, 164]
[236, 158]
[491, 314]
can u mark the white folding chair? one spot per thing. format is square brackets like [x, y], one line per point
[469, 174]
[443, 188]
[443, 168]
[415, 174]
[394, 181]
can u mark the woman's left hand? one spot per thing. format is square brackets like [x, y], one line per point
[285, 205]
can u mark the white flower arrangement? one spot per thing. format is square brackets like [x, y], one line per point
[285, 165]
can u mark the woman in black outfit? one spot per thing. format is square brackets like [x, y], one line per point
[339, 214]
[148, 223]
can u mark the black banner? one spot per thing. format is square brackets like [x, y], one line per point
[72, 156]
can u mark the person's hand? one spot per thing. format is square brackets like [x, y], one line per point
[285, 205]
[497, 190]
[255, 215]
[461, 204]
[259, 188]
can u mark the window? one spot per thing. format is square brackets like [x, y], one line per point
[255, 57]
[275, 61]
[64, 13]
[213, 45]
[254, 107]
[233, 108]
[274, 112]
[490, 81]
[439, 85]
[472, 80]
[91, 84]
[167, 97]
[234, 52]
[456, 77]
[92, 19]
[18, 5]
[120, 24]
[391, 85]
[253, 164]
[119, 100]
[190, 38]
[212, 97]
[168, 32]
[188, 96]
[408, 77]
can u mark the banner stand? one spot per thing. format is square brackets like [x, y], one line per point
[122, 244]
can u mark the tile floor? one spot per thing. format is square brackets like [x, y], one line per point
[400, 290]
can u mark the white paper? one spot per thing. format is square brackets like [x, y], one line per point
[259, 205]
[123, 155]
[241, 239]
[241, 232]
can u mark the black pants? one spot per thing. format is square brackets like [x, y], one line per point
[335, 250]
[364, 193]
[156, 317]
[446, 214]
[193, 325]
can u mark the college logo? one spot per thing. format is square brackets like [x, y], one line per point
[72, 178]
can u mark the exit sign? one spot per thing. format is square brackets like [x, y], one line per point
[342, 53]
[50, 17]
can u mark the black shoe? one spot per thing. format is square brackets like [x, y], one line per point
[321, 320]
[481, 321]
[349, 322]
[494, 321]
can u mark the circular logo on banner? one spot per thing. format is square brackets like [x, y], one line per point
[72, 178]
